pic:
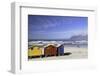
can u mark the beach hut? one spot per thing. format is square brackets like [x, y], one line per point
[60, 50]
[34, 51]
[50, 50]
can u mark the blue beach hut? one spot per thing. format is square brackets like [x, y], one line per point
[60, 50]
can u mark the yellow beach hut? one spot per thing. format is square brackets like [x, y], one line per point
[34, 51]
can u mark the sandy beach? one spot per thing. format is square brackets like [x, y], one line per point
[77, 53]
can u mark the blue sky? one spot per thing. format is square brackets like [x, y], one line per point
[56, 27]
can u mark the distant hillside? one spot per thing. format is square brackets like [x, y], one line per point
[73, 38]
[79, 37]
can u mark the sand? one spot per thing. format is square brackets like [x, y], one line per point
[77, 52]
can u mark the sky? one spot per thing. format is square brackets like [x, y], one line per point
[56, 27]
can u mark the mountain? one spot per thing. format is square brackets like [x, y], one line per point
[72, 38]
[78, 38]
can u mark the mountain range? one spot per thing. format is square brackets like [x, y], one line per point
[78, 37]
[72, 38]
